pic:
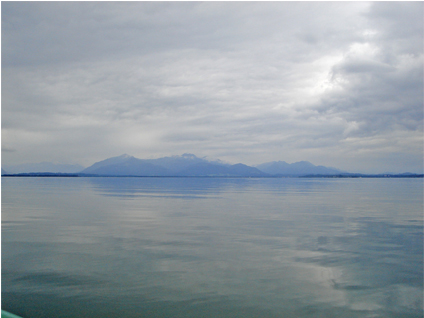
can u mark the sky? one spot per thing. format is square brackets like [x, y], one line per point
[338, 84]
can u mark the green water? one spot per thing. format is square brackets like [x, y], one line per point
[204, 247]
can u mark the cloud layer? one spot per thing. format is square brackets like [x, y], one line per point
[339, 84]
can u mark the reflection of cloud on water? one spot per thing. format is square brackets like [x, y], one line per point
[377, 266]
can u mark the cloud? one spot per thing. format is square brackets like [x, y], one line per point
[379, 81]
[245, 82]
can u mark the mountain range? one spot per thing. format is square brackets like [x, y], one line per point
[179, 166]
[282, 168]
[187, 165]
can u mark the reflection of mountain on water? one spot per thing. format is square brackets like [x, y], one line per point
[166, 187]
[196, 187]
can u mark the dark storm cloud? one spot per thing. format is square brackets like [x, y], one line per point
[241, 81]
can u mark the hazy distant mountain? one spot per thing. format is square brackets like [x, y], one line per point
[43, 167]
[243, 170]
[178, 163]
[185, 165]
[204, 169]
[126, 165]
[300, 168]
[3, 171]
[108, 162]
[213, 169]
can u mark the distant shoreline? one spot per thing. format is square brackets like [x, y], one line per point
[338, 176]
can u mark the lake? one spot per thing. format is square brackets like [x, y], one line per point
[212, 247]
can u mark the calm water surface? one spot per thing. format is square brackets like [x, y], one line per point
[204, 247]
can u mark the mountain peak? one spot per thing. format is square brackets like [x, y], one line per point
[124, 156]
[110, 161]
[304, 163]
[188, 156]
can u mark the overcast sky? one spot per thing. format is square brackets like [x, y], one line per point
[334, 83]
